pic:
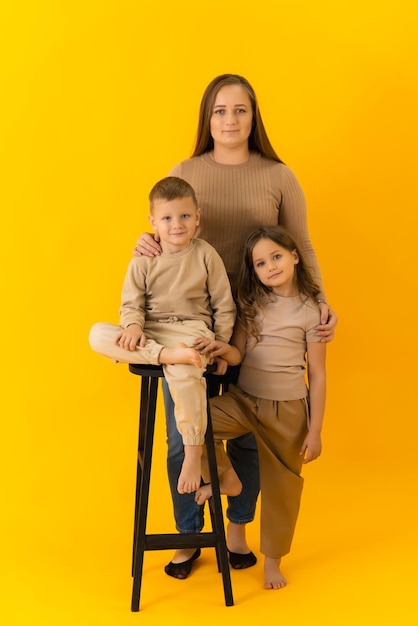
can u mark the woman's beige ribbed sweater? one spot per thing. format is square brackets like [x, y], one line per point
[235, 199]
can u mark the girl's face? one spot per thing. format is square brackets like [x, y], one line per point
[232, 116]
[275, 267]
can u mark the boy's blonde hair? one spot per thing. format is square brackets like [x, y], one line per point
[171, 188]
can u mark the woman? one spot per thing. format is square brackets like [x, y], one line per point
[240, 184]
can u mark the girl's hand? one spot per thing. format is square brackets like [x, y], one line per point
[329, 321]
[221, 367]
[312, 447]
[213, 347]
[200, 343]
[131, 337]
[147, 245]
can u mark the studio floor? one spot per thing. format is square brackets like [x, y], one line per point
[353, 560]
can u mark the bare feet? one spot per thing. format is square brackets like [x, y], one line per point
[229, 485]
[180, 354]
[273, 578]
[203, 494]
[191, 471]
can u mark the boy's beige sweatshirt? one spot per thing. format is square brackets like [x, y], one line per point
[189, 285]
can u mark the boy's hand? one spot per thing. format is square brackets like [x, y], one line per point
[312, 447]
[131, 337]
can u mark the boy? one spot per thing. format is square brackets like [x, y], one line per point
[168, 302]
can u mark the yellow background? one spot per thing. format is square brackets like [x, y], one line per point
[99, 100]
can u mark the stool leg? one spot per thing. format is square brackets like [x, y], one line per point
[142, 541]
[217, 515]
[144, 454]
[143, 416]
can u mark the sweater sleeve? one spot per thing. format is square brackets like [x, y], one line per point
[175, 171]
[293, 217]
[221, 300]
[132, 310]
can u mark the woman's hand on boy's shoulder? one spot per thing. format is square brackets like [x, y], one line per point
[147, 245]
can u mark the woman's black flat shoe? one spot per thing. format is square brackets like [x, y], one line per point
[242, 561]
[182, 570]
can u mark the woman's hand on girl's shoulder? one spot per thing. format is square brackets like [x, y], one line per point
[147, 245]
[329, 321]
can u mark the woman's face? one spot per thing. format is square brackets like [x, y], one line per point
[232, 116]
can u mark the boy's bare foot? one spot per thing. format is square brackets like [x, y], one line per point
[181, 353]
[273, 577]
[190, 475]
[229, 485]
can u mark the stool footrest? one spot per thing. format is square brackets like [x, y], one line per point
[174, 541]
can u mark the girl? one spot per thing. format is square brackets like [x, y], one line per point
[240, 183]
[275, 330]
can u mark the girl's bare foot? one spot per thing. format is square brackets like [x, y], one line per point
[203, 494]
[190, 475]
[180, 354]
[273, 577]
[229, 485]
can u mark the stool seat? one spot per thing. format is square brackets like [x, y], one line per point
[150, 374]
[146, 370]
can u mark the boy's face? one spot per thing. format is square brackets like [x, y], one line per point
[175, 221]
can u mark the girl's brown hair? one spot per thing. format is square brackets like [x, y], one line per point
[251, 293]
[257, 141]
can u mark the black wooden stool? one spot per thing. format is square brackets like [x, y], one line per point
[143, 541]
